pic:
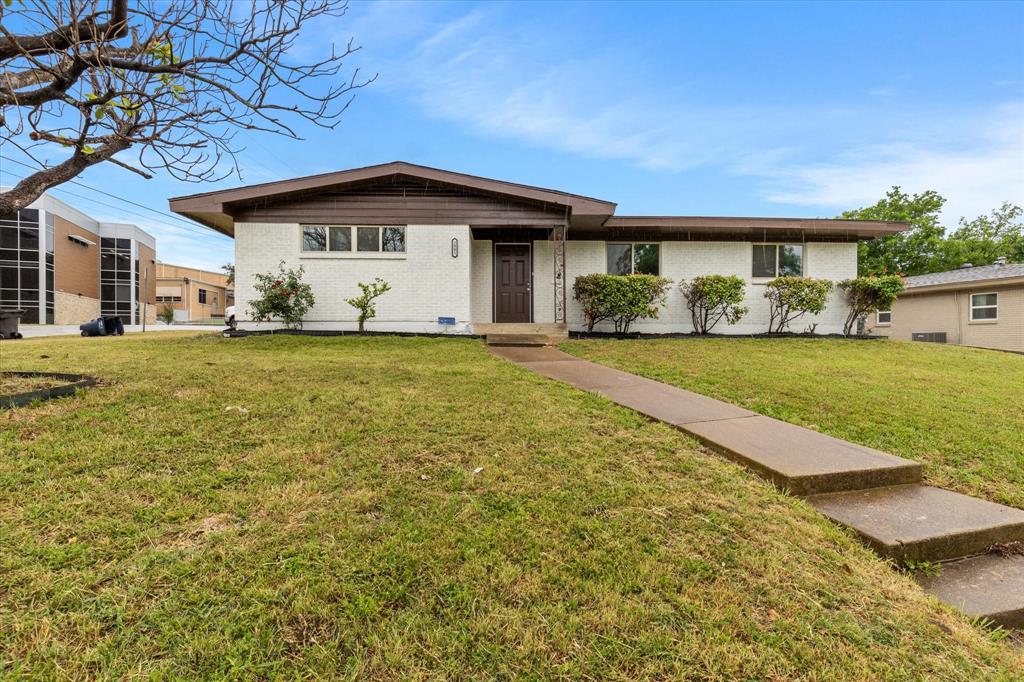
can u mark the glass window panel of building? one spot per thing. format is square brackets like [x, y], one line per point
[21, 273]
[116, 278]
[634, 259]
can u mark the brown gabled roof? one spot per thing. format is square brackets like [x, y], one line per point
[214, 208]
[591, 218]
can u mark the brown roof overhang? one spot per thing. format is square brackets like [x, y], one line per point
[214, 209]
[761, 228]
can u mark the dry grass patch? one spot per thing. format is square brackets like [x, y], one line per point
[12, 384]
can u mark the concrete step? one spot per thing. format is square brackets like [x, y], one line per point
[521, 340]
[803, 461]
[988, 586]
[921, 523]
[552, 329]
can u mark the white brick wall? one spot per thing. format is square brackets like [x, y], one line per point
[685, 260]
[543, 282]
[482, 296]
[428, 283]
[425, 284]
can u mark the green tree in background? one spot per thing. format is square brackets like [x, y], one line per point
[914, 252]
[927, 246]
[980, 241]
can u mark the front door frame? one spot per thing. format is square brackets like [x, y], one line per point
[494, 277]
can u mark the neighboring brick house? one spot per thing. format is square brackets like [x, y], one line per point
[62, 267]
[972, 306]
[481, 251]
[195, 295]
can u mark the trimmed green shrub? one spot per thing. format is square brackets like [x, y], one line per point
[283, 296]
[594, 296]
[791, 297]
[867, 294]
[623, 299]
[364, 302]
[713, 297]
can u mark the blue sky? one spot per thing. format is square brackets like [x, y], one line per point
[692, 109]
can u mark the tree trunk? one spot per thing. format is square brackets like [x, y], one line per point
[32, 187]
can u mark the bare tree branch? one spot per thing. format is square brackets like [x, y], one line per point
[171, 80]
[61, 38]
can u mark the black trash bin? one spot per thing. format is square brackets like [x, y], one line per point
[9, 324]
[95, 327]
[114, 326]
[103, 326]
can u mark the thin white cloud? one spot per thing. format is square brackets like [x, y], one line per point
[980, 165]
[502, 81]
[499, 82]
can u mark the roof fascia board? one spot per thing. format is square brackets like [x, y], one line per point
[216, 201]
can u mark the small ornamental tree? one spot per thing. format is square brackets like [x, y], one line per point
[623, 299]
[364, 302]
[867, 294]
[165, 314]
[713, 297]
[283, 296]
[791, 297]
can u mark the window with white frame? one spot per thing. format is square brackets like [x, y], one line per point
[984, 307]
[342, 238]
[883, 317]
[202, 296]
[777, 260]
[634, 259]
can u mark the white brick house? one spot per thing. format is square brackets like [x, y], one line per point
[484, 251]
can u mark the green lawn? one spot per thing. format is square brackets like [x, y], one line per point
[413, 508]
[959, 411]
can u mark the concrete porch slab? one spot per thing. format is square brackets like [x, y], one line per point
[803, 461]
[922, 523]
[988, 586]
[548, 328]
[520, 340]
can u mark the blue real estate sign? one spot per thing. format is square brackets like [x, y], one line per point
[446, 320]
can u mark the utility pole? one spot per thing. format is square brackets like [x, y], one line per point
[145, 296]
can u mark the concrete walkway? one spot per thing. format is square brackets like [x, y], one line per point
[876, 494]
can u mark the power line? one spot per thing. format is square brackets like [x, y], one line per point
[128, 212]
[187, 224]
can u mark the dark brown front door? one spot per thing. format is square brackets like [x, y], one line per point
[512, 274]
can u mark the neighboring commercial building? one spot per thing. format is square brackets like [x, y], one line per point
[463, 252]
[972, 306]
[195, 295]
[62, 267]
